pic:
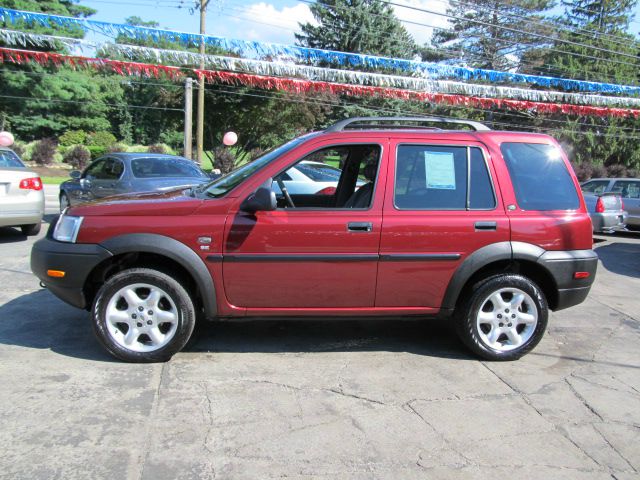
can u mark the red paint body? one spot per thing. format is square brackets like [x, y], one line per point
[334, 287]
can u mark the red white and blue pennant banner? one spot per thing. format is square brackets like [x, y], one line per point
[262, 50]
[293, 85]
[282, 69]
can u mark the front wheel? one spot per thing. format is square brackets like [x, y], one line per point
[143, 315]
[64, 202]
[504, 318]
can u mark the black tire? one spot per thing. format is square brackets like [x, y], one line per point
[184, 306]
[30, 230]
[64, 201]
[466, 316]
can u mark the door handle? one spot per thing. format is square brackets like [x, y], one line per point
[486, 226]
[359, 226]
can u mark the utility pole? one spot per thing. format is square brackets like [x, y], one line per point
[200, 119]
[188, 118]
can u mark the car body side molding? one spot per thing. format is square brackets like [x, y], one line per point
[175, 250]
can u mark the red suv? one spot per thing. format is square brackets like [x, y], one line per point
[487, 227]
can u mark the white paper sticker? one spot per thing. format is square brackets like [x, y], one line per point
[440, 170]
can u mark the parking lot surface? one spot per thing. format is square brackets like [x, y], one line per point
[324, 398]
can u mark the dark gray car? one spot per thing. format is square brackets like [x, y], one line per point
[120, 173]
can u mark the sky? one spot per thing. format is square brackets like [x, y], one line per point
[268, 21]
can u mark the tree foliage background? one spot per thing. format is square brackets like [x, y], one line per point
[527, 36]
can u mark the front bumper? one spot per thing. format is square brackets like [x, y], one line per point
[609, 221]
[563, 266]
[77, 260]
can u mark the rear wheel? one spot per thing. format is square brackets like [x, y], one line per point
[29, 230]
[504, 318]
[143, 315]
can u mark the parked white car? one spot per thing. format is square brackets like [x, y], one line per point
[21, 194]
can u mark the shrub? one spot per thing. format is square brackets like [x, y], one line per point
[157, 148]
[175, 139]
[599, 171]
[96, 151]
[73, 137]
[77, 157]
[44, 151]
[617, 170]
[101, 139]
[19, 148]
[223, 159]
[117, 147]
[583, 171]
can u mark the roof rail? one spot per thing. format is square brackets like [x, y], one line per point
[342, 124]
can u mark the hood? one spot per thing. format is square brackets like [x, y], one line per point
[170, 203]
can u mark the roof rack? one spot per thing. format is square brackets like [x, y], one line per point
[366, 123]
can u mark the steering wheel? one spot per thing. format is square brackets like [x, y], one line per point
[284, 191]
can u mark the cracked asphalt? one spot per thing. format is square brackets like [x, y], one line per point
[339, 399]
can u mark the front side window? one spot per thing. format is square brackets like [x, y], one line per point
[432, 177]
[112, 169]
[340, 176]
[595, 186]
[94, 171]
[540, 177]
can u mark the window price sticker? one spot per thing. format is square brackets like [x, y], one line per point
[440, 170]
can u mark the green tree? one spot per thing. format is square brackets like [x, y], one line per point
[491, 34]
[362, 26]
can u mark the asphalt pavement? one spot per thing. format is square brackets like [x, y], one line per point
[338, 399]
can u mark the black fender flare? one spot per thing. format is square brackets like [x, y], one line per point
[176, 251]
[482, 257]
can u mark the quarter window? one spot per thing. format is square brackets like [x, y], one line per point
[430, 177]
[540, 177]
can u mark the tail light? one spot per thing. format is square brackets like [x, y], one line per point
[326, 191]
[31, 183]
[621, 204]
[599, 205]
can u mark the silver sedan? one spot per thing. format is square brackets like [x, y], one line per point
[21, 194]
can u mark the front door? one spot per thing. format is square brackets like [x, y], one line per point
[441, 206]
[317, 250]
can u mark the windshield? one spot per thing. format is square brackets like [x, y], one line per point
[159, 167]
[231, 180]
[8, 159]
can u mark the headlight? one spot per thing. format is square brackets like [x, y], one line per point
[67, 228]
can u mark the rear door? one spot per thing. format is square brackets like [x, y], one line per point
[630, 192]
[441, 205]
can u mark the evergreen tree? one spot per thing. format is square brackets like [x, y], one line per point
[360, 26]
[491, 34]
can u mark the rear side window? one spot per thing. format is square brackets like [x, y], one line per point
[8, 159]
[432, 177]
[627, 188]
[540, 177]
[595, 186]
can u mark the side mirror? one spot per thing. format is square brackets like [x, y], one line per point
[75, 174]
[263, 199]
